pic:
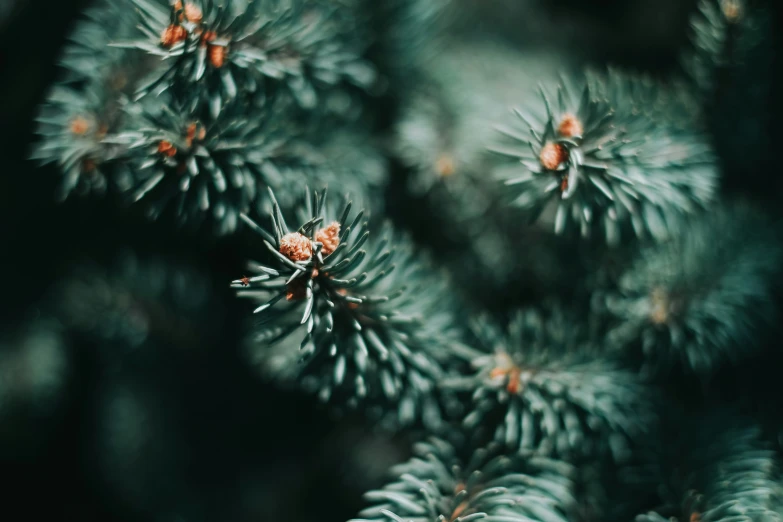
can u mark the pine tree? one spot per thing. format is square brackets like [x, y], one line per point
[544, 281]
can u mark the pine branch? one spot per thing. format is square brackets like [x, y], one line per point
[405, 37]
[448, 121]
[714, 29]
[433, 485]
[705, 298]
[442, 134]
[370, 333]
[542, 386]
[87, 104]
[204, 170]
[605, 168]
[72, 126]
[212, 52]
[87, 56]
[724, 471]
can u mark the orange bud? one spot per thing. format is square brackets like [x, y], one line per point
[553, 155]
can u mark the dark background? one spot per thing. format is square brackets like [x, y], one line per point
[220, 444]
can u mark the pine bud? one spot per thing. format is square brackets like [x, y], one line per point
[193, 13]
[329, 237]
[660, 306]
[165, 147]
[445, 166]
[553, 155]
[172, 35]
[195, 131]
[570, 127]
[296, 247]
[79, 126]
[217, 55]
[732, 10]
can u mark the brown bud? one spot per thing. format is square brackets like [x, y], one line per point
[513, 385]
[553, 155]
[79, 126]
[173, 34]
[445, 165]
[193, 13]
[195, 131]
[296, 247]
[217, 55]
[732, 10]
[564, 183]
[659, 300]
[570, 126]
[165, 147]
[329, 236]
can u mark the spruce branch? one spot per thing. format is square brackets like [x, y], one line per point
[72, 126]
[406, 36]
[703, 299]
[587, 151]
[434, 486]
[730, 63]
[369, 332]
[721, 469]
[714, 28]
[88, 55]
[87, 104]
[203, 170]
[542, 386]
[222, 50]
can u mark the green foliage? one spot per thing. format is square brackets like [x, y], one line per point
[87, 105]
[544, 386]
[369, 332]
[703, 299]
[88, 54]
[710, 25]
[212, 111]
[731, 62]
[288, 42]
[73, 125]
[441, 136]
[404, 35]
[200, 167]
[720, 469]
[434, 485]
[724, 33]
[120, 120]
[585, 150]
[449, 120]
